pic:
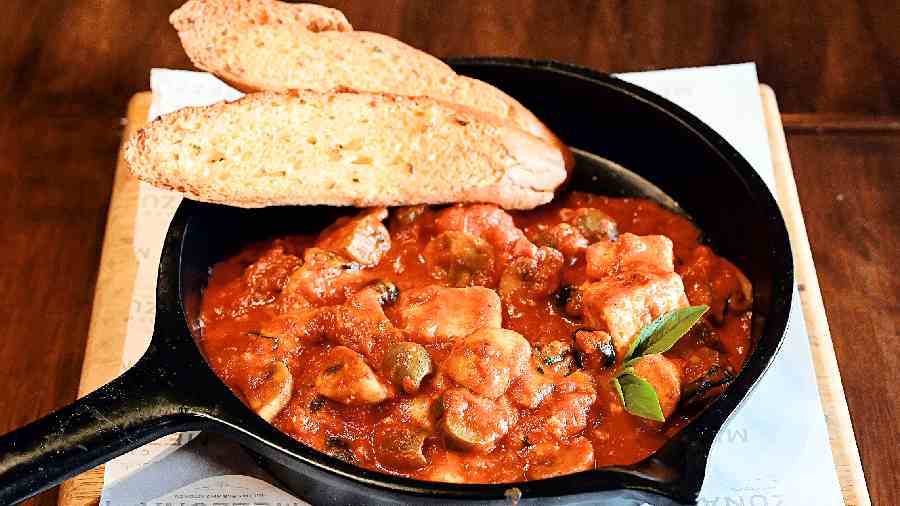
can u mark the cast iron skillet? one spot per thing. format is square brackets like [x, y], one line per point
[172, 389]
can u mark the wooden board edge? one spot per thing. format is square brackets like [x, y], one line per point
[112, 299]
[831, 391]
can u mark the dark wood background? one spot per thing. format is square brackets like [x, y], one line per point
[67, 69]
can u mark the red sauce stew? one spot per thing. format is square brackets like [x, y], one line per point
[469, 344]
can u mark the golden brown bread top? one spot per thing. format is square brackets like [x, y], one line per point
[344, 148]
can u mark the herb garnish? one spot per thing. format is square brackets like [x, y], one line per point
[638, 395]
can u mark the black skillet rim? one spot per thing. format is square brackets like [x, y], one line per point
[693, 441]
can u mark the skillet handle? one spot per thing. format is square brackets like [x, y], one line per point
[132, 410]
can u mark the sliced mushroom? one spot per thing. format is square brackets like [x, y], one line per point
[461, 259]
[487, 361]
[346, 378]
[743, 300]
[406, 365]
[475, 423]
[400, 446]
[273, 393]
[551, 458]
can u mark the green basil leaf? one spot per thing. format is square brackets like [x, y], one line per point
[665, 331]
[618, 388]
[639, 397]
[638, 341]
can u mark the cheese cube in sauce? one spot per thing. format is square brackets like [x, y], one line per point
[363, 239]
[622, 305]
[629, 252]
[435, 314]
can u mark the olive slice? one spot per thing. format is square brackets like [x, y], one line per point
[387, 292]
[595, 225]
[460, 258]
[406, 364]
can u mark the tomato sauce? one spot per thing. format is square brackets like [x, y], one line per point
[278, 317]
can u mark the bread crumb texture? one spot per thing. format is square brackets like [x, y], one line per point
[267, 45]
[343, 148]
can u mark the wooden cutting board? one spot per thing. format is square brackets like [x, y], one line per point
[118, 267]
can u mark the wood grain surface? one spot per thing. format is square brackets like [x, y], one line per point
[848, 185]
[68, 69]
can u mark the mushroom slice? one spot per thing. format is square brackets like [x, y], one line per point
[274, 393]
[488, 360]
[348, 379]
[551, 458]
[475, 423]
[406, 365]
[400, 446]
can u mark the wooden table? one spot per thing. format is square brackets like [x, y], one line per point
[68, 69]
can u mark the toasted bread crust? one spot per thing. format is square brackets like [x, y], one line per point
[344, 148]
[311, 17]
[267, 45]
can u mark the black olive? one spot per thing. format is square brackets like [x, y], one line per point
[701, 389]
[608, 352]
[562, 296]
[387, 291]
[605, 349]
[579, 359]
[339, 449]
[316, 404]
